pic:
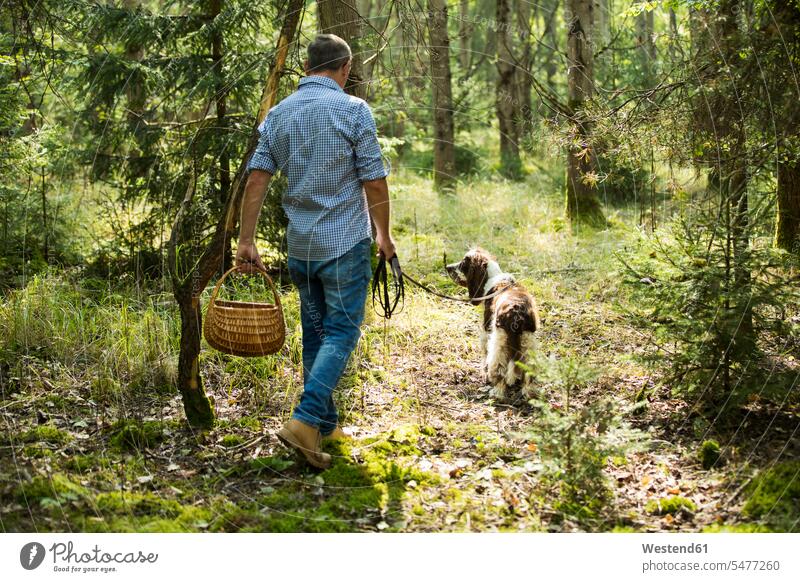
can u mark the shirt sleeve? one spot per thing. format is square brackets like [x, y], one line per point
[369, 162]
[262, 157]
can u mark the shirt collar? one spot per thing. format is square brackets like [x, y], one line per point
[320, 80]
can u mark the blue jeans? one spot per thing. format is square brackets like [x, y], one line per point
[332, 297]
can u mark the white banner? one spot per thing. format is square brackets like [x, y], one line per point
[415, 557]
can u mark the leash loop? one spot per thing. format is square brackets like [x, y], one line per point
[380, 288]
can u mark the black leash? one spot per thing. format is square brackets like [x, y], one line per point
[380, 289]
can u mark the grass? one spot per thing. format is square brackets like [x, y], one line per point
[431, 453]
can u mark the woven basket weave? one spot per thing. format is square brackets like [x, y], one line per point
[244, 328]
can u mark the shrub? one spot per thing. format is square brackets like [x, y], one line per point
[575, 444]
[707, 306]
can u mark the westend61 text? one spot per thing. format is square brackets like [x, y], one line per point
[674, 549]
[65, 553]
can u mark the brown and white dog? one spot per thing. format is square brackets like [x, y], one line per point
[509, 318]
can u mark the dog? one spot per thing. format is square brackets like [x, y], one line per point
[510, 318]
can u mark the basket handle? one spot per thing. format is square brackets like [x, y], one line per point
[235, 268]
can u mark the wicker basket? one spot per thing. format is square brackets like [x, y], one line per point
[243, 328]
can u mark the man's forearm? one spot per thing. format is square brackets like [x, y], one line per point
[378, 201]
[254, 192]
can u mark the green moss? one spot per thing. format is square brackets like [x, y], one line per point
[737, 528]
[400, 442]
[86, 463]
[346, 475]
[670, 505]
[37, 452]
[231, 440]
[50, 490]
[46, 433]
[128, 435]
[265, 465]
[137, 504]
[709, 454]
[775, 496]
[248, 423]
[623, 529]
[161, 517]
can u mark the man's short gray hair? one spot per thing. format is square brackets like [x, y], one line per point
[327, 52]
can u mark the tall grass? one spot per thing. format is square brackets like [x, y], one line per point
[108, 335]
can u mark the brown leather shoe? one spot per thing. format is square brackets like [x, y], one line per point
[305, 439]
[337, 433]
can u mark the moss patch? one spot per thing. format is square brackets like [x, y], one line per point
[231, 440]
[670, 505]
[774, 496]
[737, 528]
[709, 454]
[128, 435]
[50, 490]
[122, 502]
[46, 433]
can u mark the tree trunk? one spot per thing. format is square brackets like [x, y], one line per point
[464, 35]
[787, 224]
[551, 42]
[646, 43]
[188, 287]
[602, 25]
[134, 88]
[340, 17]
[524, 81]
[582, 203]
[444, 155]
[222, 121]
[506, 97]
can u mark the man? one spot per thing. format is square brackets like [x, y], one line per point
[325, 143]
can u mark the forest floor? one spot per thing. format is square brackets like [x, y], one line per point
[92, 440]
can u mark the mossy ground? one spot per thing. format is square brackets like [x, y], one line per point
[773, 497]
[94, 437]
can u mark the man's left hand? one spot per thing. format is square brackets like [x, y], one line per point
[247, 258]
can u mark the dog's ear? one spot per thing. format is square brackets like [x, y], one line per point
[477, 274]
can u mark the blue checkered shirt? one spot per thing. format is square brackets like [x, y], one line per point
[325, 142]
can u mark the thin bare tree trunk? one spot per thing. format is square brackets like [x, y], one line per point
[582, 203]
[524, 82]
[464, 34]
[787, 224]
[551, 38]
[188, 286]
[221, 106]
[646, 42]
[444, 156]
[340, 17]
[506, 97]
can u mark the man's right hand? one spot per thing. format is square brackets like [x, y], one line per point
[385, 245]
[247, 258]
